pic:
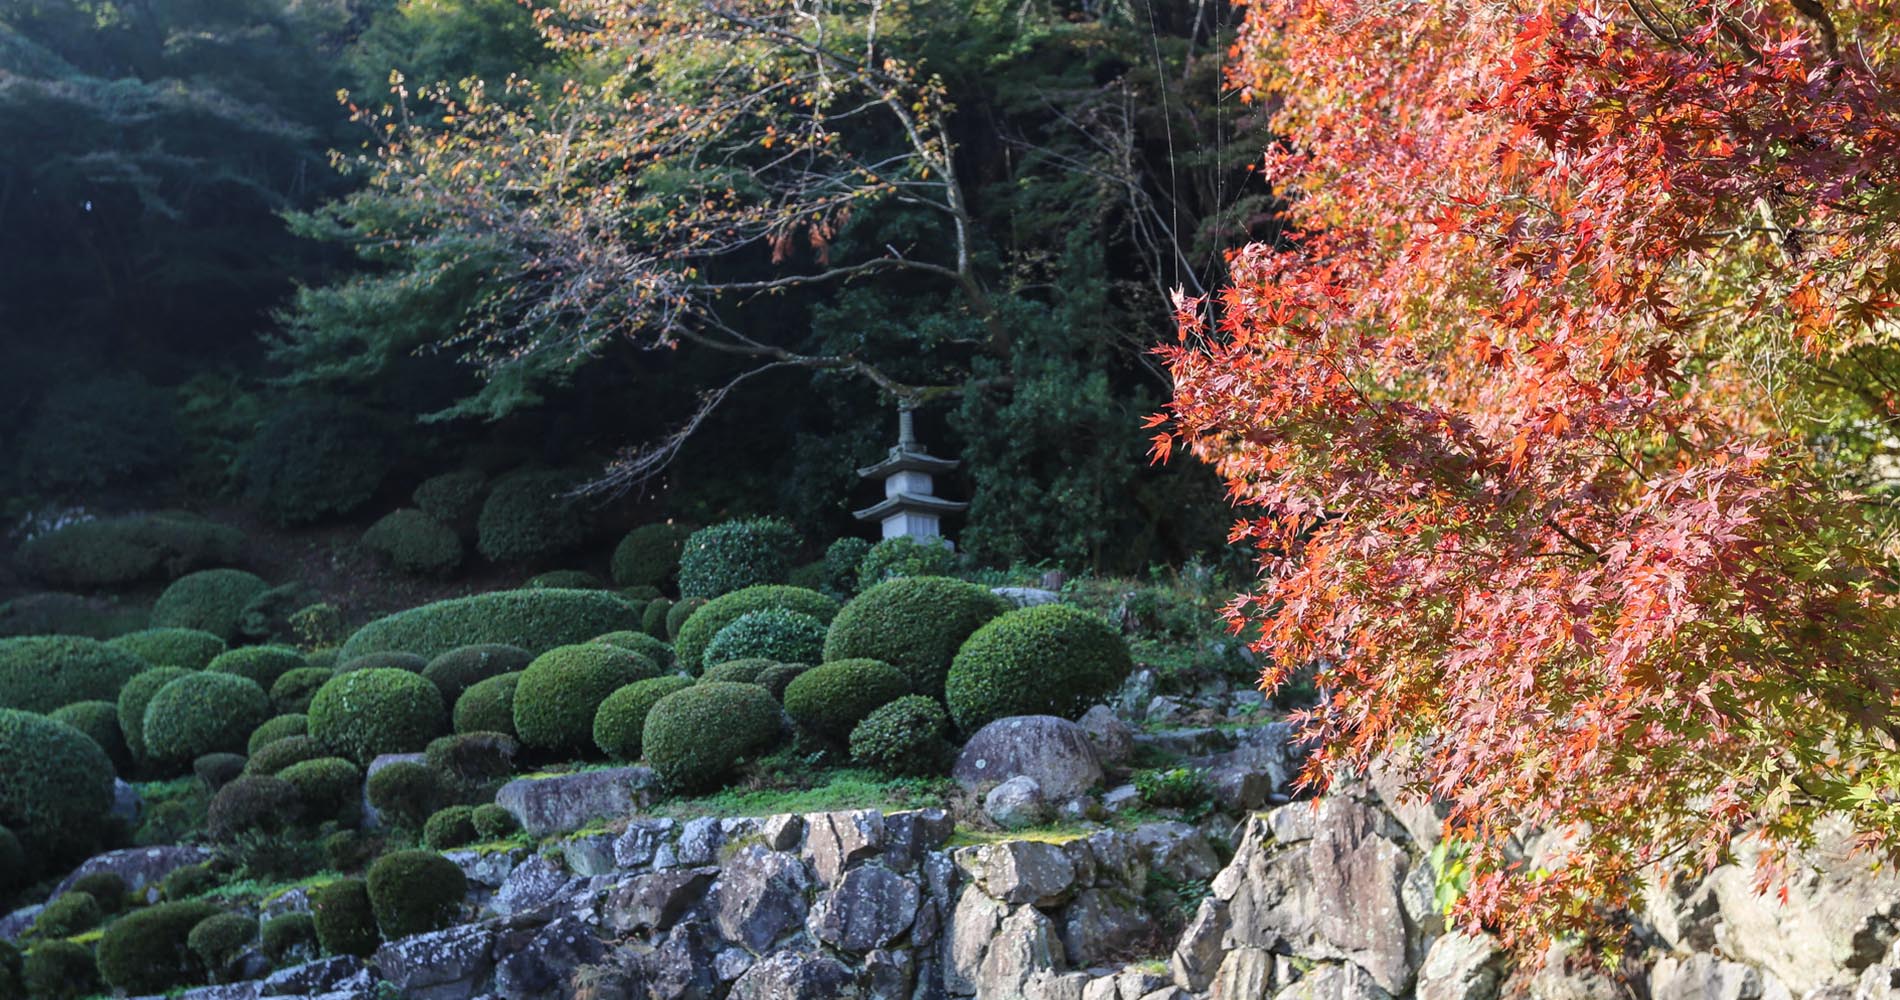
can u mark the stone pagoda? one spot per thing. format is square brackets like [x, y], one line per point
[909, 508]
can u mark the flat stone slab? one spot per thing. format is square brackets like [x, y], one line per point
[567, 802]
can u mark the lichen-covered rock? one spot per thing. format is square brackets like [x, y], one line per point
[640, 842]
[1342, 981]
[449, 964]
[792, 975]
[1176, 850]
[1025, 944]
[700, 841]
[1101, 923]
[570, 801]
[871, 907]
[138, 867]
[910, 836]
[834, 841]
[1245, 974]
[1021, 871]
[320, 976]
[1197, 956]
[681, 968]
[760, 897]
[1703, 976]
[1055, 752]
[538, 964]
[532, 884]
[1113, 739]
[1016, 804]
[1461, 966]
[657, 900]
[967, 942]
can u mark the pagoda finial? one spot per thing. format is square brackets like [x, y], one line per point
[907, 427]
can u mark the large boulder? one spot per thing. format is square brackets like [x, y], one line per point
[139, 867]
[835, 841]
[448, 964]
[1020, 871]
[760, 897]
[1054, 752]
[539, 963]
[871, 907]
[792, 975]
[570, 801]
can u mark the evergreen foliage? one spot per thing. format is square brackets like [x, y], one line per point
[42, 673]
[135, 696]
[488, 706]
[210, 600]
[412, 542]
[345, 921]
[649, 555]
[915, 624]
[734, 555]
[620, 723]
[203, 713]
[830, 700]
[452, 498]
[695, 736]
[149, 951]
[1051, 659]
[904, 556]
[116, 552]
[535, 620]
[190, 648]
[277, 727]
[99, 720]
[291, 693]
[365, 714]
[315, 459]
[771, 633]
[559, 693]
[689, 646]
[461, 668]
[528, 517]
[263, 664]
[413, 892]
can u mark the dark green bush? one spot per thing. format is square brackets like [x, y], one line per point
[172, 647]
[414, 892]
[350, 850]
[290, 939]
[277, 728]
[453, 498]
[275, 756]
[809, 575]
[829, 700]
[414, 543]
[370, 712]
[203, 713]
[209, 600]
[677, 614]
[736, 554]
[492, 822]
[565, 579]
[527, 516]
[649, 555]
[639, 642]
[474, 762]
[559, 693]
[330, 788]
[488, 706]
[404, 793]
[100, 721]
[904, 738]
[904, 556]
[219, 941]
[149, 950]
[695, 736]
[189, 881]
[114, 552]
[135, 696]
[42, 673]
[108, 888]
[51, 613]
[1052, 659]
[1174, 788]
[773, 634]
[385, 660]
[263, 664]
[840, 564]
[112, 428]
[653, 618]
[255, 803]
[535, 620]
[641, 595]
[450, 828]
[698, 631]
[73, 912]
[345, 922]
[291, 694]
[460, 668]
[313, 459]
[215, 770]
[13, 869]
[55, 787]
[272, 616]
[622, 718]
[915, 624]
[59, 970]
[744, 671]
[777, 679]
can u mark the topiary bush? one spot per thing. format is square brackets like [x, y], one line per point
[474, 762]
[904, 738]
[59, 970]
[622, 719]
[209, 600]
[557, 696]
[313, 459]
[492, 822]
[776, 679]
[135, 696]
[915, 624]
[773, 634]
[99, 720]
[277, 728]
[414, 892]
[329, 788]
[404, 793]
[414, 543]
[344, 919]
[254, 803]
[640, 642]
[904, 556]
[535, 620]
[191, 880]
[291, 693]
[745, 671]
[677, 614]
[1051, 659]
[55, 786]
[528, 517]
[452, 498]
[290, 939]
[695, 736]
[115, 552]
[840, 566]
[698, 631]
[565, 579]
[462, 667]
[203, 713]
[149, 950]
[74, 911]
[215, 770]
[52, 613]
[366, 713]
[172, 647]
[272, 616]
[220, 940]
[42, 673]
[734, 555]
[263, 664]
[488, 706]
[107, 888]
[653, 618]
[450, 828]
[829, 700]
[649, 555]
[385, 660]
[276, 755]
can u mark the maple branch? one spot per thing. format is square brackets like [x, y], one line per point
[1591, 550]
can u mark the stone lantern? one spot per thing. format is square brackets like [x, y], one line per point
[909, 508]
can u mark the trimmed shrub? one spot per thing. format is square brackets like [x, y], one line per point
[829, 700]
[698, 631]
[488, 706]
[263, 664]
[640, 595]
[527, 517]
[565, 579]
[840, 565]
[291, 693]
[535, 620]
[492, 822]
[59, 970]
[414, 892]
[349, 850]
[649, 555]
[773, 634]
[904, 738]
[149, 950]
[694, 737]
[191, 880]
[736, 554]
[622, 718]
[203, 713]
[1051, 659]
[559, 693]
[453, 498]
[385, 660]
[172, 647]
[255, 803]
[114, 552]
[915, 624]
[345, 922]
[313, 459]
[653, 618]
[414, 543]
[52, 613]
[640, 642]
[745, 671]
[55, 787]
[809, 575]
[677, 614]
[404, 793]
[450, 828]
[273, 757]
[904, 556]
[277, 728]
[271, 616]
[777, 679]
[290, 939]
[215, 770]
[99, 720]
[108, 888]
[73, 912]
[135, 696]
[474, 761]
[219, 941]
[42, 673]
[364, 714]
[460, 668]
[209, 600]
[330, 788]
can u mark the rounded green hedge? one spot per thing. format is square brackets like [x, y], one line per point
[210, 600]
[535, 620]
[414, 543]
[829, 700]
[488, 706]
[915, 624]
[558, 694]
[108, 888]
[219, 941]
[113, 552]
[275, 728]
[640, 642]
[263, 664]
[414, 892]
[462, 667]
[345, 922]
[388, 659]
[315, 458]
[744, 671]
[254, 803]
[734, 555]
[135, 696]
[777, 678]
[1052, 659]
[329, 788]
[405, 793]
[492, 822]
[276, 755]
[215, 770]
[149, 950]
[13, 869]
[904, 738]
[622, 719]
[565, 579]
[203, 713]
[366, 713]
[289, 939]
[527, 517]
[840, 565]
[653, 618]
[59, 970]
[904, 556]
[698, 631]
[99, 720]
[695, 736]
[190, 648]
[677, 614]
[292, 692]
[41, 673]
[772, 634]
[649, 555]
[452, 498]
[450, 828]
[72, 912]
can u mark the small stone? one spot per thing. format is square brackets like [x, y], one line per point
[783, 832]
[791, 975]
[700, 841]
[1162, 708]
[730, 964]
[531, 885]
[759, 897]
[589, 855]
[1121, 798]
[441, 965]
[657, 900]
[641, 840]
[319, 976]
[1113, 739]
[1016, 804]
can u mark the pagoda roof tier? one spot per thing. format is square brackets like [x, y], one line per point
[903, 460]
[910, 502]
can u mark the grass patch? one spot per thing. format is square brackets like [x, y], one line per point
[815, 791]
[263, 891]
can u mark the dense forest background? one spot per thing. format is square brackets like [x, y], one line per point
[203, 304]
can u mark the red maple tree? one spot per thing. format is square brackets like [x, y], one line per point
[1561, 422]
